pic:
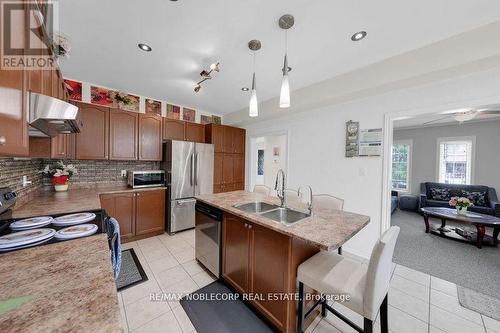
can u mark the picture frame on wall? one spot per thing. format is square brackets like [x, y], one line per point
[153, 106]
[217, 120]
[173, 111]
[101, 96]
[204, 119]
[188, 114]
[74, 89]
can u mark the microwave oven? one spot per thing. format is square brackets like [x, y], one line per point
[141, 179]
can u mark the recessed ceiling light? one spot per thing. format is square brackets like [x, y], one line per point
[245, 89]
[358, 36]
[145, 47]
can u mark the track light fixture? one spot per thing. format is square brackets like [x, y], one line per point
[207, 75]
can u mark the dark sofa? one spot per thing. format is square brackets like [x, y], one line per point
[437, 195]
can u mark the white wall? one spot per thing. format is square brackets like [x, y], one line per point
[485, 167]
[273, 163]
[317, 138]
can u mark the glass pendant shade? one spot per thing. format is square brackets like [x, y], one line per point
[285, 86]
[253, 109]
[285, 92]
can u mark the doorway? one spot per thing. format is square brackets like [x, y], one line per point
[268, 154]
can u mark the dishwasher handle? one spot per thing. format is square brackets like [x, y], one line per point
[209, 211]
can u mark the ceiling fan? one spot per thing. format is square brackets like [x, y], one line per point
[462, 115]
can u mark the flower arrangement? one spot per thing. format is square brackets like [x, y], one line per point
[59, 174]
[461, 204]
[61, 45]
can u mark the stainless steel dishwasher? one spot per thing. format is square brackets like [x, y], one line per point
[208, 237]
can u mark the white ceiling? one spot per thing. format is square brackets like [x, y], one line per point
[188, 35]
[446, 117]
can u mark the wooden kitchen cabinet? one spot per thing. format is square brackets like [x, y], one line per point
[63, 146]
[121, 206]
[13, 101]
[236, 250]
[229, 163]
[150, 137]
[150, 212]
[214, 134]
[123, 135]
[92, 141]
[140, 214]
[195, 132]
[227, 169]
[261, 261]
[269, 264]
[173, 129]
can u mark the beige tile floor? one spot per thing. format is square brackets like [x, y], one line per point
[418, 302]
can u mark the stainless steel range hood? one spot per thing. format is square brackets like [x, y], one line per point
[53, 116]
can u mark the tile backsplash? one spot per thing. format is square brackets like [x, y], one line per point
[89, 173]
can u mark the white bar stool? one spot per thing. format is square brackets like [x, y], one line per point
[329, 273]
[262, 189]
[326, 201]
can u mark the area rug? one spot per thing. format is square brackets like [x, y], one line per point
[215, 308]
[131, 272]
[457, 262]
[484, 304]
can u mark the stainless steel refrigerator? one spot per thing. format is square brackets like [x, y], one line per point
[189, 169]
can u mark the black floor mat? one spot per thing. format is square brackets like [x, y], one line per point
[211, 310]
[131, 272]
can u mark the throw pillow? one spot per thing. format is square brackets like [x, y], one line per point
[478, 198]
[441, 194]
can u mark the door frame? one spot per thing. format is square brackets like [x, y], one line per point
[388, 133]
[251, 155]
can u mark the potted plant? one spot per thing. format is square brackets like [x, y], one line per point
[461, 204]
[59, 174]
[61, 45]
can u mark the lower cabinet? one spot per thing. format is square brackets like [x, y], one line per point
[140, 214]
[263, 263]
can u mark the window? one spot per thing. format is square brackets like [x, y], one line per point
[401, 162]
[455, 160]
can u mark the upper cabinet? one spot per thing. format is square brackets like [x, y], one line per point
[173, 129]
[123, 135]
[92, 141]
[214, 134]
[150, 137]
[13, 87]
[195, 132]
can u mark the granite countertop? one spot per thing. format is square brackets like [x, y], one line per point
[72, 201]
[327, 229]
[62, 287]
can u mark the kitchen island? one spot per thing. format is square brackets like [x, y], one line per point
[260, 256]
[61, 287]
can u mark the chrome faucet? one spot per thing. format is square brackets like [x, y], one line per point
[280, 187]
[310, 204]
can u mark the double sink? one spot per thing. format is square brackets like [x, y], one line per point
[274, 212]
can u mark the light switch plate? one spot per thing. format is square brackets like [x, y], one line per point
[124, 173]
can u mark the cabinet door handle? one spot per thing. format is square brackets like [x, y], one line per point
[3, 140]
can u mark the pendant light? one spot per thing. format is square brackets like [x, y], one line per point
[253, 108]
[285, 22]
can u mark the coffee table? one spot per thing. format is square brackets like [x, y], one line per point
[480, 221]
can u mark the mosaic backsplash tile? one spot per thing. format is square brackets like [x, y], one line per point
[90, 173]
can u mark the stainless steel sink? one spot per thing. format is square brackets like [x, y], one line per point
[256, 207]
[285, 215]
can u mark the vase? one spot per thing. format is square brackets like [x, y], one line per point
[61, 188]
[462, 211]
